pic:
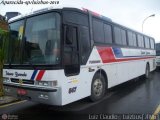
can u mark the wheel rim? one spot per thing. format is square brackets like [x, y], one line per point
[97, 87]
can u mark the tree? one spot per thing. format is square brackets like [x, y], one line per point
[4, 41]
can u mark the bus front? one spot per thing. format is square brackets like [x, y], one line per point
[32, 66]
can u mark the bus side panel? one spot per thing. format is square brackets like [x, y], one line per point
[121, 72]
[77, 87]
[111, 71]
[118, 73]
[126, 63]
[152, 63]
[131, 69]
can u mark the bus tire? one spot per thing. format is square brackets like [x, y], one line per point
[98, 87]
[147, 72]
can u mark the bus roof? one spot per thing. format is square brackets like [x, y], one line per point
[83, 10]
[32, 13]
[52, 8]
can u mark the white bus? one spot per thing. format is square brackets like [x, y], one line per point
[58, 56]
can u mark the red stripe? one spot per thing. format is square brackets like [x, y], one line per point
[129, 59]
[107, 56]
[40, 75]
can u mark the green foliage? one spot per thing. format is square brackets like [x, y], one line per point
[4, 47]
[4, 41]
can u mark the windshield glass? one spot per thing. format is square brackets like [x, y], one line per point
[16, 31]
[41, 40]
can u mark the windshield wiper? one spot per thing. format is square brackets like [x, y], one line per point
[31, 64]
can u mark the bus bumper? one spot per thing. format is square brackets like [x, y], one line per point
[41, 95]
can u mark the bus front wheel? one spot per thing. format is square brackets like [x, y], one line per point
[98, 87]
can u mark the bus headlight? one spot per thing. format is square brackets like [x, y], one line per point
[46, 83]
[6, 80]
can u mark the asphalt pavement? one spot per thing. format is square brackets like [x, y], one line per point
[137, 99]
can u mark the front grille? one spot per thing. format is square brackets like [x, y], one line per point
[31, 82]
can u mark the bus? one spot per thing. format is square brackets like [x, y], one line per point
[58, 56]
[158, 54]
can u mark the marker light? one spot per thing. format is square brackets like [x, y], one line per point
[96, 14]
[6, 80]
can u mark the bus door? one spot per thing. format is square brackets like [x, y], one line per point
[71, 51]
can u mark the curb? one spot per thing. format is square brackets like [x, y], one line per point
[10, 102]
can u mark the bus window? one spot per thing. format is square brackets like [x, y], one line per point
[140, 41]
[123, 37]
[108, 33]
[120, 36]
[147, 44]
[117, 34]
[152, 43]
[132, 39]
[98, 32]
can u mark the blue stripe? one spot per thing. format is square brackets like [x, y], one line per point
[34, 74]
[118, 52]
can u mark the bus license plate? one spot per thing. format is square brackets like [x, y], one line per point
[21, 91]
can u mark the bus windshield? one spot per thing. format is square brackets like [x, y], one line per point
[40, 43]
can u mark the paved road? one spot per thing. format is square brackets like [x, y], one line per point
[135, 97]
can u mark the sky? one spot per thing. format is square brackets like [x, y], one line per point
[130, 13]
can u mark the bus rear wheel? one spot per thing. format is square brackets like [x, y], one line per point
[98, 87]
[147, 72]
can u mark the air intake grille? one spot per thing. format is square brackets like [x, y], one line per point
[31, 82]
